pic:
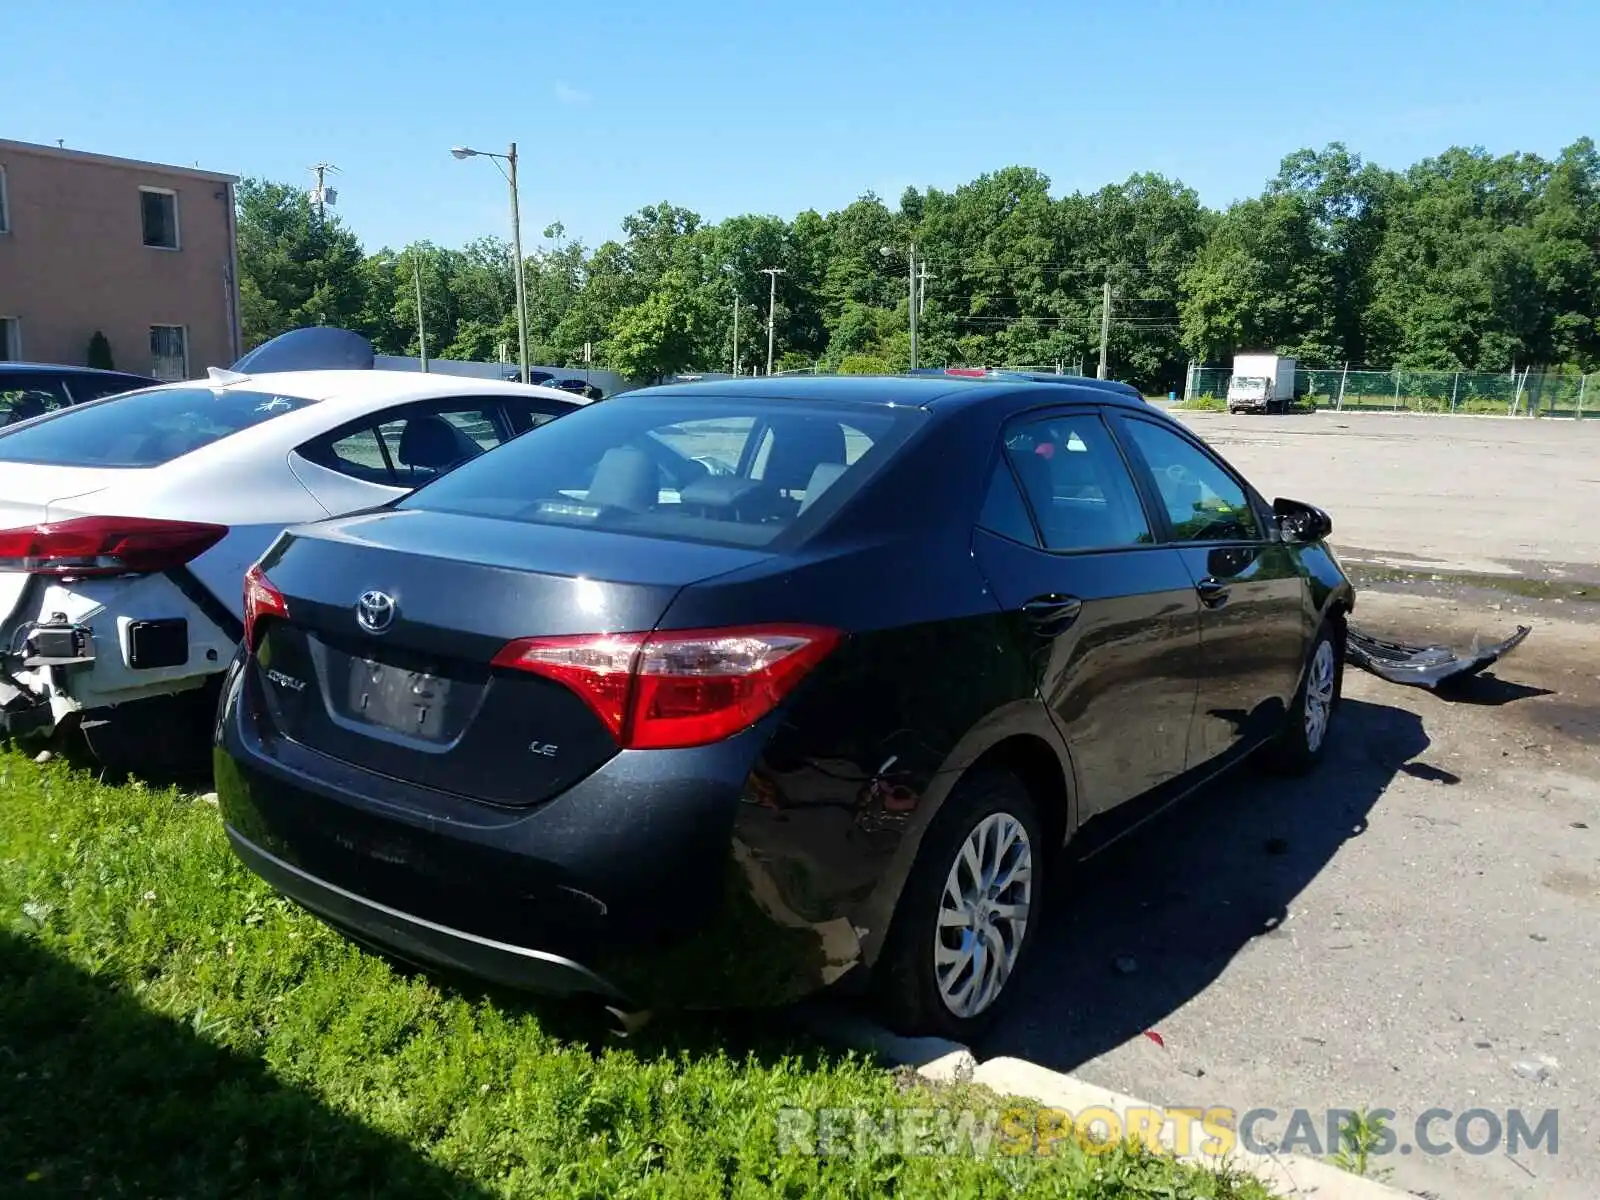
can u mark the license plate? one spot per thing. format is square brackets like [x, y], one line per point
[408, 702]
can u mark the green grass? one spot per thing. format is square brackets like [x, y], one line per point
[168, 1026]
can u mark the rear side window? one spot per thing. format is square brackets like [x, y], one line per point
[1076, 482]
[142, 429]
[524, 416]
[730, 471]
[91, 387]
[407, 446]
[1004, 511]
[25, 396]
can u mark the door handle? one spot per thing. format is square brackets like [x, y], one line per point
[1053, 613]
[1213, 592]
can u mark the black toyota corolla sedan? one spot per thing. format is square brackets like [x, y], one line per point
[716, 694]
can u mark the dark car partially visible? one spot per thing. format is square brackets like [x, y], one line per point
[29, 390]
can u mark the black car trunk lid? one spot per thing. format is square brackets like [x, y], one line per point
[395, 618]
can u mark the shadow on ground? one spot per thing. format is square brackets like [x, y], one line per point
[99, 1097]
[1187, 892]
[1488, 690]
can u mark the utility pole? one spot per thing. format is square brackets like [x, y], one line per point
[1105, 327]
[772, 274]
[736, 334]
[323, 196]
[911, 260]
[422, 337]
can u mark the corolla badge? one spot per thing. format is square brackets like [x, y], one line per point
[375, 611]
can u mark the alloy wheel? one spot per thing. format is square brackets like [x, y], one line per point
[1319, 696]
[983, 914]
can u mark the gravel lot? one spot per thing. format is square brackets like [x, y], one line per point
[1473, 494]
[1417, 925]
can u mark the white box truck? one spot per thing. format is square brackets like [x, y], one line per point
[1261, 383]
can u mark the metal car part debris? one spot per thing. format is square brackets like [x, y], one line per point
[1425, 666]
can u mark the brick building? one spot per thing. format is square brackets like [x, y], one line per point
[141, 252]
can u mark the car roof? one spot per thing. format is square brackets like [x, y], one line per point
[336, 387]
[902, 391]
[39, 368]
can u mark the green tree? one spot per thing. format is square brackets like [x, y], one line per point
[99, 353]
[1455, 282]
[863, 364]
[1348, 202]
[662, 334]
[1566, 256]
[1261, 282]
[295, 268]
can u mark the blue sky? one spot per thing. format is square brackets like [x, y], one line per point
[774, 107]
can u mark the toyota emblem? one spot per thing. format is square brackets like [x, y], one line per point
[375, 611]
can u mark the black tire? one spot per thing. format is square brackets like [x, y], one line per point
[905, 984]
[1296, 750]
[162, 737]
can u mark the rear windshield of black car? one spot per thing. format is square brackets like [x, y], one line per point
[730, 471]
[142, 429]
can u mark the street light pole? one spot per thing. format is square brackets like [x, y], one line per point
[736, 333]
[510, 158]
[772, 274]
[516, 249]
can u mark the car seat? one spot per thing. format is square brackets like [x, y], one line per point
[799, 446]
[626, 478]
[430, 443]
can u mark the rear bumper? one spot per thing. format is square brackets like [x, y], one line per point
[424, 942]
[114, 660]
[633, 883]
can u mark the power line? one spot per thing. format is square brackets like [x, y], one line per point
[1133, 322]
[1095, 296]
[1089, 321]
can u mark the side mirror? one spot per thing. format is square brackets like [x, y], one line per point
[1301, 522]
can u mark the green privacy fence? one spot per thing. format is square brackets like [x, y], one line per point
[1525, 393]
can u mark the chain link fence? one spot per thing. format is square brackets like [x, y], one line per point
[1524, 393]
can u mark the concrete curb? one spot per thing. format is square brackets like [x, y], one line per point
[1291, 1176]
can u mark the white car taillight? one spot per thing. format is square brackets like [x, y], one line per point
[98, 546]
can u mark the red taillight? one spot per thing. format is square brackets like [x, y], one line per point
[261, 599]
[681, 687]
[105, 546]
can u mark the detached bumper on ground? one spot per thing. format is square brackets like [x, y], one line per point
[1425, 666]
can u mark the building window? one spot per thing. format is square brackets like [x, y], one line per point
[169, 352]
[5, 208]
[158, 208]
[10, 339]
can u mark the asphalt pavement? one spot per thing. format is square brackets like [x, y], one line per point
[1414, 927]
